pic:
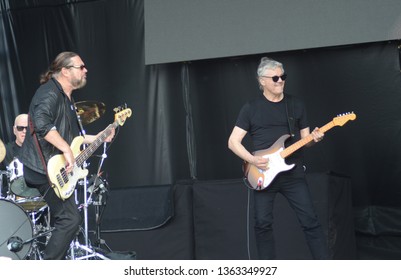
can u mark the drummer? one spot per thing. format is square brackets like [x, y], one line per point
[13, 148]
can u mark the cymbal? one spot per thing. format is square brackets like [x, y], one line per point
[90, 111]
[2, 151]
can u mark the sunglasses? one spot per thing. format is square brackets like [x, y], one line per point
[21, 128]
[82, 67]
[276, 78]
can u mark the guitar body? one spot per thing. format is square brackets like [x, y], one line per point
[259, 179]
[63, 183]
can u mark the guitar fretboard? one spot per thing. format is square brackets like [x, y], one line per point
[299, 144]
[85, 154]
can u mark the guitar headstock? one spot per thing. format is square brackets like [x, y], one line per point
[340, 120]
[121, 114]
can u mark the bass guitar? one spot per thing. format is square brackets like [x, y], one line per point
[259, 179]
[64, 183]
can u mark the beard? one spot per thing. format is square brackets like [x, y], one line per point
[78, 83]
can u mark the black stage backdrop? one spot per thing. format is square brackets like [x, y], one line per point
[184, 112]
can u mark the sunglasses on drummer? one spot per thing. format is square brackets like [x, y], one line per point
[276, 78]
[21, 128]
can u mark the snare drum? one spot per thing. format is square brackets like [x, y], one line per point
[16, 229]
[34, 204]
[17, 182]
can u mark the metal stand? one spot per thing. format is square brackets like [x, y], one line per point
[82, 252]
[79, 251]
[39, 230]
[35, 253]
[99, 189]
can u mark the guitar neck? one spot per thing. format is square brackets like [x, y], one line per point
[86, 153]
[299, 144]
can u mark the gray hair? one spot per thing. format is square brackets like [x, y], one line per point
[268, 63]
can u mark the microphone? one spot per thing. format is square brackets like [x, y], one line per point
[15, 244]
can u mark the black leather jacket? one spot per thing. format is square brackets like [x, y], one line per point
[50, 109]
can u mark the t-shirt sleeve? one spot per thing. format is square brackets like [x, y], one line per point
[243, 120]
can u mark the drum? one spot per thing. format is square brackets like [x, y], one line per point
[16, 229]
[17, 182]
[34, 204]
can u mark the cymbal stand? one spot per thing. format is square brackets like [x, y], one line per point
[88, 251]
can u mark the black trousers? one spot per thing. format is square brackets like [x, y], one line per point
[296, 191]
[66, 220]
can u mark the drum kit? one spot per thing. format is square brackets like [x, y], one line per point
[24, 215]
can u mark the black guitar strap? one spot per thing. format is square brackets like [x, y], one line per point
[289, 106]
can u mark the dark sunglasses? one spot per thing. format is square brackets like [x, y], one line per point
[82, 67]
[21, 128]
[276, 78]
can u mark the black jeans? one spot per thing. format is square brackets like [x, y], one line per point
[296, 191]
[66, 220]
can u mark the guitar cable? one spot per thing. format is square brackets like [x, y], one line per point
[248, 225]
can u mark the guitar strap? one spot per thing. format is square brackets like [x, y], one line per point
[81, 127]
[289, 106]
[33, 133]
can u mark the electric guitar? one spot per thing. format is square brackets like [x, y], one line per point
[64, 183]
[259, 179]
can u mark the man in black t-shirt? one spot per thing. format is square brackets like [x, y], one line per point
[266, 119]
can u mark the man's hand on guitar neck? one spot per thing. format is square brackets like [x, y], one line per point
[317, 135]
[111, 136]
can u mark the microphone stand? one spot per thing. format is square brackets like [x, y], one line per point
[98, 183]
[89, 252]
[85, 184]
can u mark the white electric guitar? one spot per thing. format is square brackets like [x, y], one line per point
[259, 179]
[64, 183]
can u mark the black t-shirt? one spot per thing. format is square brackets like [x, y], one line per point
[12, 151]
[266, 121]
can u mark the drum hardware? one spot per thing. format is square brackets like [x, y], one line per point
[77, 250]
[39, 230]
[82, 252]
[36, 253]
